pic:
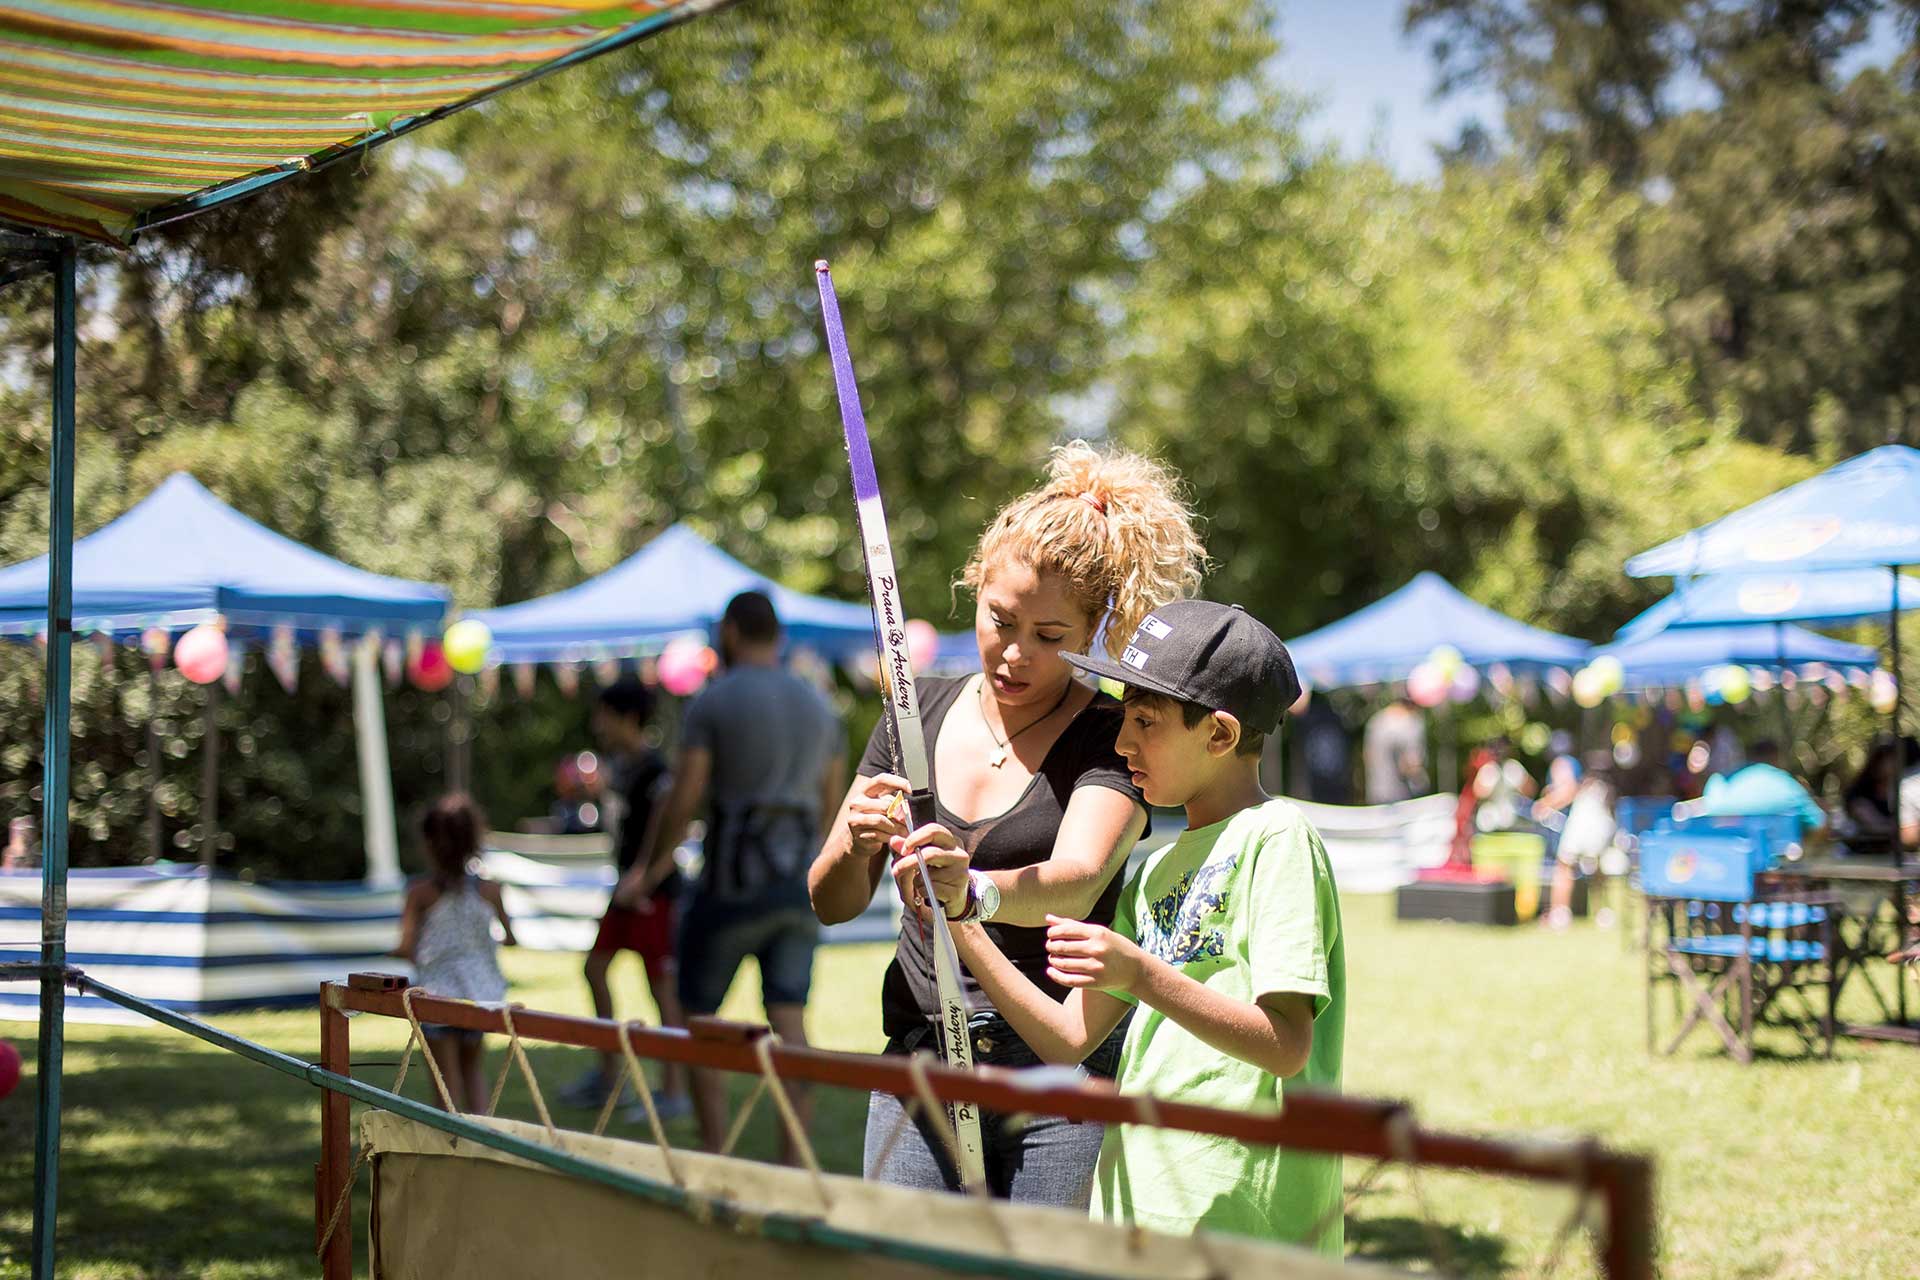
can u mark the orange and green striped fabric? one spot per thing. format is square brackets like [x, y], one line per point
[120, 114]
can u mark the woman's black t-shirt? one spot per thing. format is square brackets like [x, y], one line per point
[1083, 755]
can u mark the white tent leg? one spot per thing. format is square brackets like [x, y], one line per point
[376, 770]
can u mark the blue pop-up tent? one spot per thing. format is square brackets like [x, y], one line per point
[1390, 637]
[1862, 513]
[1724, 599]
[182, 557]
[1669, 658]
[677, 583]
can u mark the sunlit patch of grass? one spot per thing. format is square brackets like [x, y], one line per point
[181, 1160]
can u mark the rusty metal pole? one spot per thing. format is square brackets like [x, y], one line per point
[1628, 1250]
[336, 1143]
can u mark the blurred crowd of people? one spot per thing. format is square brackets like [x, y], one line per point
[1686, 759]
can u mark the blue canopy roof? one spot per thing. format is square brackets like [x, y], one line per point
[958, 655]
[1866, 511]
[675, 584]
[1836, 595]
[181, 557]
[1674, 656]
[1390, 637]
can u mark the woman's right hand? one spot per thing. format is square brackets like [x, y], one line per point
[876, 813]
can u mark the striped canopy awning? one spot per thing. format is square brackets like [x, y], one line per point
[117, 115]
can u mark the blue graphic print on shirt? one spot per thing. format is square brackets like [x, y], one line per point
[1188, 921]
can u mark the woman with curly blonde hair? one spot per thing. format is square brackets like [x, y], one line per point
[1027, 782]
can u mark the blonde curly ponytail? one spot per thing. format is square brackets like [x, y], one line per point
[1114, 524]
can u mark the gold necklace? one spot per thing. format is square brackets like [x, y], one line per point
[1005, 745]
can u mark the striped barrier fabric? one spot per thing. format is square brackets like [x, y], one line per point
[202, 944]
[1373, 848]
[1378, 848]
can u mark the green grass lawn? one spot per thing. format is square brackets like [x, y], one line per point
[181, 1160]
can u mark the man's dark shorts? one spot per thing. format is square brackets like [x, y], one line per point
[716, 935]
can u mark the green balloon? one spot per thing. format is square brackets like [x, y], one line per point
[466, 644]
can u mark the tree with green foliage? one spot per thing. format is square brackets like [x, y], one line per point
[1779, 167]
[529, 340]
[1364, 380]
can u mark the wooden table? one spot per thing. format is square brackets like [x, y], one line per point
[1898, 885]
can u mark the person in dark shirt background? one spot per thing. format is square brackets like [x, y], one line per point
[637, 778]
[1324, 744]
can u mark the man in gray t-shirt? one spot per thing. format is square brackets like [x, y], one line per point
[773, 741]
[764, 753]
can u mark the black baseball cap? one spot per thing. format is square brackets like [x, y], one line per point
[1216, 655]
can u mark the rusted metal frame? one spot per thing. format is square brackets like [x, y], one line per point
[1323, 1122]
[332, 1174]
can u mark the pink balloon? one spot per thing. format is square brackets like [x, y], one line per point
[923, 644]
[683, 667]
[201, 654]
[1426, 686]
[429, 670]
[1466, 683]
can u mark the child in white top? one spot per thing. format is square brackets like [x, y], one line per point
[446, 929]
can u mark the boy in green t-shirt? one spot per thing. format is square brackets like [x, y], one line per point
[1229, 939]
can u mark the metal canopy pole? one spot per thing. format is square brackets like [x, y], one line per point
[210, 778]
[53, 783]
[1893, 642]
[376, 770]
[1780, 690]
[156, 845]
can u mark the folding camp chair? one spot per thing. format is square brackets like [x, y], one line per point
[1776, 835]
[1736, 958]
[1634, 817]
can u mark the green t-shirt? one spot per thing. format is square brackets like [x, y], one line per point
[1247, 907]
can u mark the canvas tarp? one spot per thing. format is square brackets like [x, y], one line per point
[445, 1206]
[121, 114]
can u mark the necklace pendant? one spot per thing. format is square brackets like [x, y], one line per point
[998, 758]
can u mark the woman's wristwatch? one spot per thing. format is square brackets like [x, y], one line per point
[983, 899]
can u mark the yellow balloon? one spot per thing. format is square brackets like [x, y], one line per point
[1608, 671]
[1587, 689]
[1735, 685]
[1882, 693]
[466, 644]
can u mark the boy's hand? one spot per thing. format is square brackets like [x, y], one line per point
[633, 893]
[947, 865]
[1086, 955]
[876, 814]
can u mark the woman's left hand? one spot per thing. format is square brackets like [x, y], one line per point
[947, 865]
[1086, 955]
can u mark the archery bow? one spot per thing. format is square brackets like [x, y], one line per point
[903, 717]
